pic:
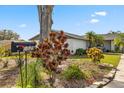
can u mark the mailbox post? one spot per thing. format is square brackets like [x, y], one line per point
[19, 49]
[25, 48]
[26, 51]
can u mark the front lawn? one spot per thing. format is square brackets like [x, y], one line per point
[111, 59]
[108, 58]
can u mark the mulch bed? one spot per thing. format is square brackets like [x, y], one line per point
[88, 66]
[8, 77]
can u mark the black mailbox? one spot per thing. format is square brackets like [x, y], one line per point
[19, 46]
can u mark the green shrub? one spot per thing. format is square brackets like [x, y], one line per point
[87, 74]
[8, 52]
[2, 52]
[80, 51]
[73, 72]
[33, 75]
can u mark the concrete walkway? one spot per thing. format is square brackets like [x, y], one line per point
[118, 81]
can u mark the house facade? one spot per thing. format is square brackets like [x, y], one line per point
[109, 42]
[77, 41]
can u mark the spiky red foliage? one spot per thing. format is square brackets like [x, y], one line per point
[53, 50]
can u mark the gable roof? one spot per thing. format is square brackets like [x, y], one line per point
[67, 34]
[109, 36]
[36, 37]
[105, 36]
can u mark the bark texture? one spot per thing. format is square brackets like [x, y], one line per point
[45, 19]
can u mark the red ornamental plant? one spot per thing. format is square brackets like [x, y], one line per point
[53, 50]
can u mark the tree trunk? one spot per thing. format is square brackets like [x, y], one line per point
[40, 20]
[45, 20]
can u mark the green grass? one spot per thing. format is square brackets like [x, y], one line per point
[77, 57]
[111, 59]
[108, 58]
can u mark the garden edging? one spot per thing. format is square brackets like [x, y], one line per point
[107, 79]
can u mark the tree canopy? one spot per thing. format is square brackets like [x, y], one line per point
[119, 41]
[8, 35]
[91, 37]
[94, 39]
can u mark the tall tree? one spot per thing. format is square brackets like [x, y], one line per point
[114, 32]
[99, 40]
[45, 19]
[91, 37]
[119, 42]
[8, 35]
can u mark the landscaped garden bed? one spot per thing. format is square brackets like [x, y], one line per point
[92, 72]
[51, 65]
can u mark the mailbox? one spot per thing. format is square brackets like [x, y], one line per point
[20, 46]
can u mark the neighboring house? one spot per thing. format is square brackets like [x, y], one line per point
[109, 41]
[77, 41]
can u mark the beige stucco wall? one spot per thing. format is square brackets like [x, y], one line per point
[112, 46]
[107, 45]
[76, 43]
